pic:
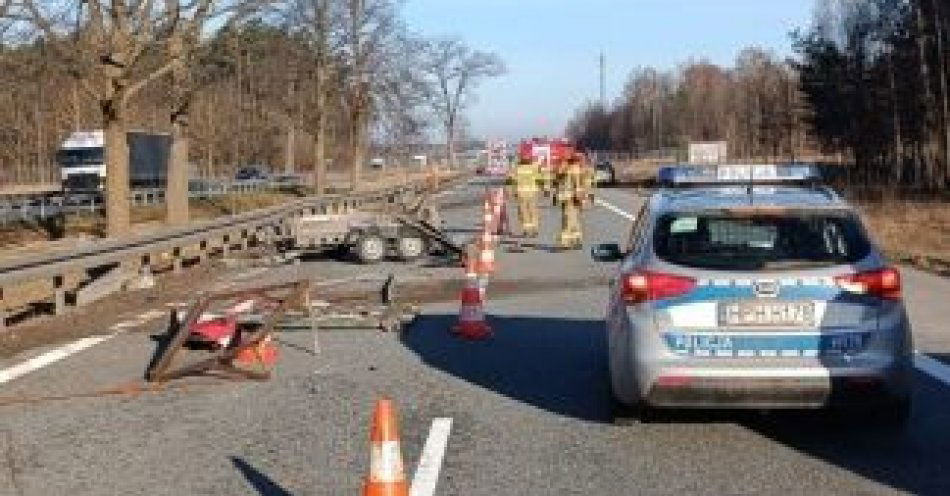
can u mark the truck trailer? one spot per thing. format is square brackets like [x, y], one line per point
[82, 160]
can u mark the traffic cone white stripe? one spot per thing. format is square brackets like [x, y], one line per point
[386, 462]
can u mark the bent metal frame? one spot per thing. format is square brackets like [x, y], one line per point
[278, 298]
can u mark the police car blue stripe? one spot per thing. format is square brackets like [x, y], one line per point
[730, 345]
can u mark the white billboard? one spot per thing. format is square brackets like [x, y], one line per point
[709, 152]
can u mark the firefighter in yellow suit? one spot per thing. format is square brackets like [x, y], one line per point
[524, 179]
[570, 195]
[588, 182]
[545, 177]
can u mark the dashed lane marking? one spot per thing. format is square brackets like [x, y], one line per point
[430, 463]
[932, 367]
[53, 356]
[250, 273]
[615, 209]
[36, 363]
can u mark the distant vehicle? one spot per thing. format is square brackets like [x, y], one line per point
[750, 287]
[420, 161]
[82, 160]
[377, 163]
[287, 180]
[604, 173]
[252, 173]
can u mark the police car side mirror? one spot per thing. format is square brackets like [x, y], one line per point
[607, 252]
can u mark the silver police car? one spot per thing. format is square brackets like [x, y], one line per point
[755, 287]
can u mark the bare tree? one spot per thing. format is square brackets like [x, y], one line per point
[111, 60]
[455, 71]
[189, 20]
[314, 21]
[367, 27]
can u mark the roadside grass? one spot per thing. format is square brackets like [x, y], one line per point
[911, 231]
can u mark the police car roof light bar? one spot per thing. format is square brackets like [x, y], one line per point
[735, 174]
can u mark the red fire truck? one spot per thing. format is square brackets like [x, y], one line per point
[549, 154]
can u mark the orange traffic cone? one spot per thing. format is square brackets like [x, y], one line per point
[472, 323]
[386, 474]
[501, 215]
[488, 215]
[471, 260]
[260, 358]
[486, 254]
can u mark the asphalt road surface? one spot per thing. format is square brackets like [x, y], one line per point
[531, 410]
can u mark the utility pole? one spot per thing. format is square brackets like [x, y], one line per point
[603, 80]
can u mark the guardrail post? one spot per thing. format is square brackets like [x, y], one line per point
[202, 251]
[59, 296]
[3, 313]
[176, 260]
[268, 235]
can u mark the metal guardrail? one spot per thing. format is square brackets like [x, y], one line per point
[142, 252]
[31, 207]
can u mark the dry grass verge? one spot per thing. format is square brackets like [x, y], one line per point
[916, 232]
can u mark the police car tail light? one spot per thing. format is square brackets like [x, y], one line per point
[642, 286]
[884, 283]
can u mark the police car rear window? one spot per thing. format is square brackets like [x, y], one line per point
[769, 241]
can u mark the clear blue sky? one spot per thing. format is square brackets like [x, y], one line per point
[551, 47]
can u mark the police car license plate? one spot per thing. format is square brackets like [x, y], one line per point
[767, 314]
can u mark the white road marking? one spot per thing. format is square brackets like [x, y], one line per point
[53, 356]
[250, 273]
[932, 367]
[615, 209]
[36, 363]
[430, 463]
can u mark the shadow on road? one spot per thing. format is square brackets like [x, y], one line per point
[555, 364]
[559, 365]
[261, 483]
[916, 460]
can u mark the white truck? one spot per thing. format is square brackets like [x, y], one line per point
[82, 160]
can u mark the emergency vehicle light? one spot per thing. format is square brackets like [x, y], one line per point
[681, 175]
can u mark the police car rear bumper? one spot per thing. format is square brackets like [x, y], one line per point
[792, 384]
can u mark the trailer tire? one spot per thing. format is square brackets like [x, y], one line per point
[410, 247]
[370, 249]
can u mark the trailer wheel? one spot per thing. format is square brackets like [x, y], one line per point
[370, 249]
[410, 247]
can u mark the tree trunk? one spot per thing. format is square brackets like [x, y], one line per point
[290, 149]
[209, 158]
[450, 145]
[176, 186]
[357, 151]
[319, 143]
[77, 109]
[319, 180]
[929, 102]
[117, 169]
[898, 172]
[945, 98]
